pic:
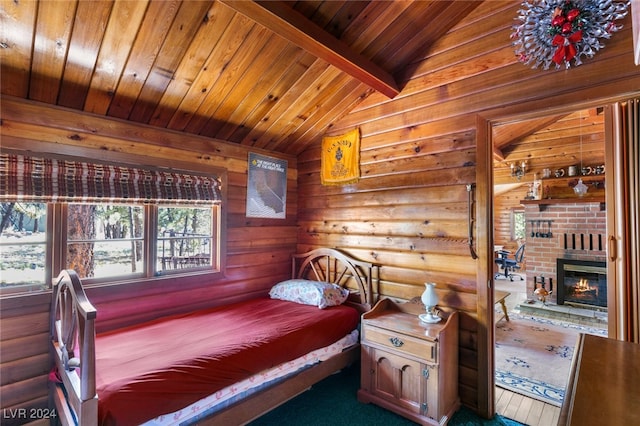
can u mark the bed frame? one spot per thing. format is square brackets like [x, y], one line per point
[73, 342]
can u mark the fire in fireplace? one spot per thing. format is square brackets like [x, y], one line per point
[582, 282]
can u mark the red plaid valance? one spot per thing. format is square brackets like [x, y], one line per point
[50, 180]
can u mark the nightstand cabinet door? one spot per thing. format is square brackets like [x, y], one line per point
[402, 382]
[409, 367]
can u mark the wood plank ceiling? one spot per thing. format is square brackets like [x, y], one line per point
[273, 75]
[552, 142]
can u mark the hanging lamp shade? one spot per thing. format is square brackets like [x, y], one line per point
[580, 189]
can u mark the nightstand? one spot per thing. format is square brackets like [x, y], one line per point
[407, 366]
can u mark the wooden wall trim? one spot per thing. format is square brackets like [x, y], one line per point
[635, 16]
[484, 265]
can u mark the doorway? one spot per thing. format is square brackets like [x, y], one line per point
[536, 166]
[622, 120]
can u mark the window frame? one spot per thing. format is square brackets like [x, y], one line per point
[215, 242]
[48, 260]
[56, 249]
[514, 212]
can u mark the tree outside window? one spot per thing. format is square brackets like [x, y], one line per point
[23, 244]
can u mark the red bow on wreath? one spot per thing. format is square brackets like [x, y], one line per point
[566, 50]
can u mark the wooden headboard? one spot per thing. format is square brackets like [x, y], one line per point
[335, 266]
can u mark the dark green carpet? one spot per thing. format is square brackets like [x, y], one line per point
[333, 402]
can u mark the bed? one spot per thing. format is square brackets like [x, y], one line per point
[221, 365]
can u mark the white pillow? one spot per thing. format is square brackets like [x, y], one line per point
[309, 292]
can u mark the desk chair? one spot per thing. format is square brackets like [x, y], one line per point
[509, 265]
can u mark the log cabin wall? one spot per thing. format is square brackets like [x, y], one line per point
[258, 251]
[504, 204]
[418, 155]
[24, 358]
[409, 210]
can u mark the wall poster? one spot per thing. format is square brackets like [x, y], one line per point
[266, 187]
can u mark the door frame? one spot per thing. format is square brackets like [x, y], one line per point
[484, 229]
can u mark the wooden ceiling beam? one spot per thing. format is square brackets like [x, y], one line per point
[297, 29]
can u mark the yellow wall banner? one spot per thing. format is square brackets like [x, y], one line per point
[340, 159]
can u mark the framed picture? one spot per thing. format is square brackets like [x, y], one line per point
[266, 187]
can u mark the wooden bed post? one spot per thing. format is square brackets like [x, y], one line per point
[73, 317]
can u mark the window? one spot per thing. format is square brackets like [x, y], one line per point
[185, 238]
[518, 225]
[23, 245]
[106, 221]
[105, 240]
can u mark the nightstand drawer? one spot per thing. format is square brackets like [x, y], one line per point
[422, 349]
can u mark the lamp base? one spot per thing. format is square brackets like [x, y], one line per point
[428, 318]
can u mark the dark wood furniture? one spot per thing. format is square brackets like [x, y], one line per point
[603, 383]
[408, 366]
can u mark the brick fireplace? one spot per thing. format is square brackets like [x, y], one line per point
[578, 233]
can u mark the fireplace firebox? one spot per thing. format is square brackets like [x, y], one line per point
[582, 282]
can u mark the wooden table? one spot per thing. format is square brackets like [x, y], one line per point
[500, 297]
[603, 386]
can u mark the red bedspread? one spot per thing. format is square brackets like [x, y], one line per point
[158, 367]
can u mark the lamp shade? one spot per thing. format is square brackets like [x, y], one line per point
[580, 189]
[429, 296]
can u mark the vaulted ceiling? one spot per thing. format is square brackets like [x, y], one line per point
[551, 142]
[272, 75]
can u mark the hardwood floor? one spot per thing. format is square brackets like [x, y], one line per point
[525, 410]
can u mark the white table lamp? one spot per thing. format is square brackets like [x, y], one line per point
[430, 300]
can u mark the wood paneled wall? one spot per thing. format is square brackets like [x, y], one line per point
[409, 214]
[503, 205]
[258, 251]
[24, 357]
[409, 211]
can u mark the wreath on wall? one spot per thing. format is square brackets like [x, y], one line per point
[562, 32]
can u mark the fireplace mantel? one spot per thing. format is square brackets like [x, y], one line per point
[542, 204]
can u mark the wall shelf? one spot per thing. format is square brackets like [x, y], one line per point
[593, 178]
[544, 203]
